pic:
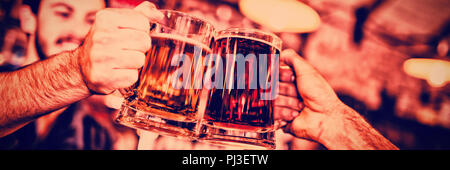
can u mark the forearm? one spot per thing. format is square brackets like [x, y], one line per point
[349, 131]
[39, 88]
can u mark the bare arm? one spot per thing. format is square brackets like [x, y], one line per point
[38, 89]
[350, 131]
[109, 59]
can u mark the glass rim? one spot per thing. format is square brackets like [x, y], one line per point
[277, 42]
[190, 16]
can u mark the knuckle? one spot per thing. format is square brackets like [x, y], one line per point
[134, 77]
[130, 14]
[101, 38]
[140, 60]
[147, 42]
[99, 15]
[135, 14]
[138, 35]
[132, 60]
[141, 39]
[101, 58]
[130, 78]
[95, 54]
[140, 17]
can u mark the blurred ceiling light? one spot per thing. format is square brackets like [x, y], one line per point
[224, 12]
[436, 72]
[281, 15]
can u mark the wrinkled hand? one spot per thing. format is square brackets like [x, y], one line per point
[115, 47]
[306, 101]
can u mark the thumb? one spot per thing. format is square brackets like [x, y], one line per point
[149, 10]
[312, 87]
[300, 66]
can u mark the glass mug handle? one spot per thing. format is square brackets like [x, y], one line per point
[126, 92]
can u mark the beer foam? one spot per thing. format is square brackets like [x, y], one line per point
[183, 39]
[250, 38]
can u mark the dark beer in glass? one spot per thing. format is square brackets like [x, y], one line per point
[240, 110]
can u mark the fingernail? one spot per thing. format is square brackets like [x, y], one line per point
[292, 78]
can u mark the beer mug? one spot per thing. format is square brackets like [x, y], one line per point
[165, 97]
[243, 86]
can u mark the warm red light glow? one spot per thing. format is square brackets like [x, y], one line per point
[281, 15]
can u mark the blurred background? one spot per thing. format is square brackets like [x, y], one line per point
[387, 59]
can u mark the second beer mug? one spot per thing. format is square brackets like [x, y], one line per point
[239, 110]
[165, 97]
